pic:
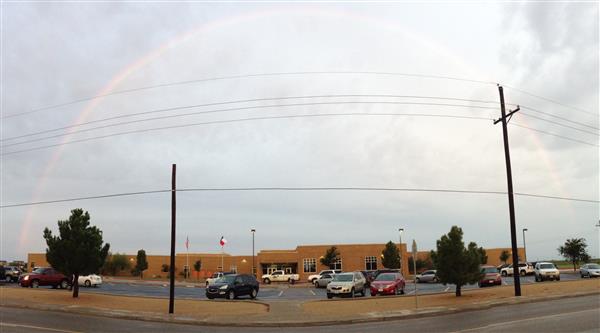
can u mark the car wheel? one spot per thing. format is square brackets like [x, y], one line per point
[210, 297]
[8, 278]
[352, 292]
[418, 280]
[231, 294]
[504, 273]
[35, 284]
[253, 293]
[64, 284]
[87, 283]
[435, 280]
[267, 281]
[523, 273]
[362, 293]
[329, 296]
[558, 278]
[206, 284]
[582, 276]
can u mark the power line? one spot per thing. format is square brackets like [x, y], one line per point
[555, 135]
[254, 100]
[557, 123]
[558, 117]
[580, 110]
[242, 120]
[239, 109]
[244, 189]
[243, 76]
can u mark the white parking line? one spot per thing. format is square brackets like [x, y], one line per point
[36, 328]
[280, 293]
[312, 292]
[410, 292]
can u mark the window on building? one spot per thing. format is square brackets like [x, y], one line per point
[336, 265]
[310, 265]
[371, 263]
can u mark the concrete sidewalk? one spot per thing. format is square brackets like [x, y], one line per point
[290, 313]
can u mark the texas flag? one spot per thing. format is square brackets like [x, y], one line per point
[223, 241]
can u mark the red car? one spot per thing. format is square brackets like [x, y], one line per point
[490, 277]
[388, 284]
[44, 277]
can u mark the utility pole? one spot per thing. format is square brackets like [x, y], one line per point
[511, 201]
[172, 268]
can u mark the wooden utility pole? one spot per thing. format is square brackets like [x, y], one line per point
[511, 201]
[172, 267]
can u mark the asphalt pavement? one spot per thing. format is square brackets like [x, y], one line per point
[273, 291]
[577, 314]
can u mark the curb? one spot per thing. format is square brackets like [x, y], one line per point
[165, 318]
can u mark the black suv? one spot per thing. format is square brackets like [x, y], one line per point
[232, 286]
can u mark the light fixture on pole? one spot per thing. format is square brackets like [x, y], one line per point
[524, 246]
[253, 267]
[400, 230]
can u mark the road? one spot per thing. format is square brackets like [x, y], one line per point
[272, 292]
[580, 314]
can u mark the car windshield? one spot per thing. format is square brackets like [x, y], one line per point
[489, 270]
[594, 266]
[546, 266]
[227, 279]
[386, 277]
[38, 270]
[343, 277]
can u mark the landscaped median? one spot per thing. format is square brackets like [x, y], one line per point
[290, 313]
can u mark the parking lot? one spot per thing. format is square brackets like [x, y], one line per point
[273, 292]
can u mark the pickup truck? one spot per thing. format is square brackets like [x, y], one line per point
[280, 276]
[524, 269]
[315, 277]
[217, 275]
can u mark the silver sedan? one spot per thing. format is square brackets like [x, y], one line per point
[590, 270]
[323, 281]
[427, 276]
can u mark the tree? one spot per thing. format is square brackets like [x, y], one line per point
[330, 257]
[141, 263]
[165, 268]
[456, 264]
[504, 255]
[197, 267]
[482, 256]
[390, 256]
[115, 263]
[574, 251]
[78, 249]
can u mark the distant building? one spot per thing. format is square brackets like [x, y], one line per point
[303, 260]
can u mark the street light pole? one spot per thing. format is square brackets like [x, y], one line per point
[524, 246]
[253, 231]
[400, 230]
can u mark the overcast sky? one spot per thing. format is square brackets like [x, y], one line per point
[56, 53]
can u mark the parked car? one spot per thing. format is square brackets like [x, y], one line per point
[216, 276]
[324, 280]
[346, 284]
[490, 277]
[11, 273]
[427, 276]
[312, 278]
[2, 274]
[91, 280]
[280, 276]
[590, 270]
[546, 271]
[525, 268]
[233, 285]
[44, 276]
[388, 284]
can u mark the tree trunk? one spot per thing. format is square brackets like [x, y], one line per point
[75, 285]
[574, 269]
[457, 291]
[141, 275]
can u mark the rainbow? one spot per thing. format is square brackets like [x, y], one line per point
[212, 26]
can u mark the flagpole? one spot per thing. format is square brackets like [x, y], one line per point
[187, 262]
[222, 252]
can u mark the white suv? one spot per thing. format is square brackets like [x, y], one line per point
[546, 271]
